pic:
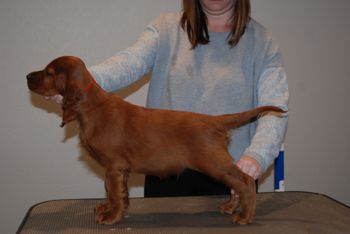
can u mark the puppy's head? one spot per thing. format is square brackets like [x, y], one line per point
[66, 76]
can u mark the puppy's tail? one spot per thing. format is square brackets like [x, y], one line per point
[242, 118]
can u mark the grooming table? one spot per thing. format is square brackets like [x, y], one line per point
[287, 212]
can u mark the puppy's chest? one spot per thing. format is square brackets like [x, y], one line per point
[87, 143]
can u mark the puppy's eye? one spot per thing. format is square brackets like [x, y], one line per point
[49, 74]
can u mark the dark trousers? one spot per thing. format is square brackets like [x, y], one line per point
[189, 183]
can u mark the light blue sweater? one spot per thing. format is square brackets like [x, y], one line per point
[212, 79]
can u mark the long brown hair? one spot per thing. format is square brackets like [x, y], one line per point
[194, 22]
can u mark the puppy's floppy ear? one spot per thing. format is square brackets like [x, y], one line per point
[60, 83]
[69, 78]
[71, 96]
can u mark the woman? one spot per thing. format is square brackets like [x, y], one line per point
[211, 58]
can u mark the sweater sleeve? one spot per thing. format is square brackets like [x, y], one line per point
[129, 65]
[272, 89]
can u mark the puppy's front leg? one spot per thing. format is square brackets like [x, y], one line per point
[117, 202]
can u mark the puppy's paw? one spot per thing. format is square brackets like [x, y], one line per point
[229, 207]
[109, 217]
[101, 208]
[242, 219]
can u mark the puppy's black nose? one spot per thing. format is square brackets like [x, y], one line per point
[31, 81]
[29, 76]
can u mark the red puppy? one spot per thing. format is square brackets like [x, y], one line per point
[123, 137]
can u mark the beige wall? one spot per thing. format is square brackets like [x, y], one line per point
[40, 161]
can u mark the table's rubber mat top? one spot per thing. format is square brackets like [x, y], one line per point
[282, 213]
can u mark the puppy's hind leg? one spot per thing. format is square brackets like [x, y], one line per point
[222, 168]
[244, 197]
